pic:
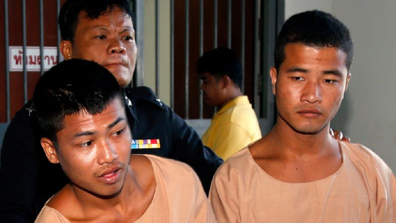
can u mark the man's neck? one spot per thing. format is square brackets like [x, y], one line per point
[300, 144]
[130, 203]
[291, 156]
[120, 199]
[231, 96]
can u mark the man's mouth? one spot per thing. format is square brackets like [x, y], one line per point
[110, 176]
[310, 112]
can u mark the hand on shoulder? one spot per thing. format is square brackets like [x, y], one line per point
[339, 136]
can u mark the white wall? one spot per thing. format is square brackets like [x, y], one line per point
[368, 113]
[164, 48]
[295, 6]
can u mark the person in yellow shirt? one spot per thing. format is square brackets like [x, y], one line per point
[235, 125]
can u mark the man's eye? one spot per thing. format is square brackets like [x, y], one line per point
[329, 81]
[128, 38]
[85, 144]
[298, 78]
[100, 37]
[119, 132]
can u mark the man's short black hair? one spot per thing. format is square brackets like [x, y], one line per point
[219, 62]
[315, 29]
[71, 9]
[70, 87]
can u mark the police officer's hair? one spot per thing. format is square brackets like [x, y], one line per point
[219, 62]
[315, 29]
[71, 9]
[70, 87]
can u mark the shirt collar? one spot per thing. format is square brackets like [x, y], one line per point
[240, 100]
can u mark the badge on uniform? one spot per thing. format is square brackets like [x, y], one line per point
[145, 144]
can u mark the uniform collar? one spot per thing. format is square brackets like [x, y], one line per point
[130, 109]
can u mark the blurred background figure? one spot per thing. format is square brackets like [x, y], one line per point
[235, 125]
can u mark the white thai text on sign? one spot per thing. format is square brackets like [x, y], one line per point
[33, 59]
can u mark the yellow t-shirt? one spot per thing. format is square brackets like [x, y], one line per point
[232, 128]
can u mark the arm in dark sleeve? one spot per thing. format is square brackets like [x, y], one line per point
[19, 166]
[188, 147]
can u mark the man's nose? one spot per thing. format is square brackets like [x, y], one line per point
[117, 47]
[106, 153]
[312, 92]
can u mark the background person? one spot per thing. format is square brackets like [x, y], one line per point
[235, 125]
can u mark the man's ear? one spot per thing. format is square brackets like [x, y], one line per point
[225, 81]
[66, 49]
[274, 76]
[49, 150]
[348, 78]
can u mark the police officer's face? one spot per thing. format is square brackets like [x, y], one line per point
[108, 40]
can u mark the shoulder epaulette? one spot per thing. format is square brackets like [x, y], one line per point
[144, 93]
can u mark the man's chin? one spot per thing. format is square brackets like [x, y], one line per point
[123, 78]
[209, 103]
[310, 130]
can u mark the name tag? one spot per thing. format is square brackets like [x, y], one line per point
[145, 144]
